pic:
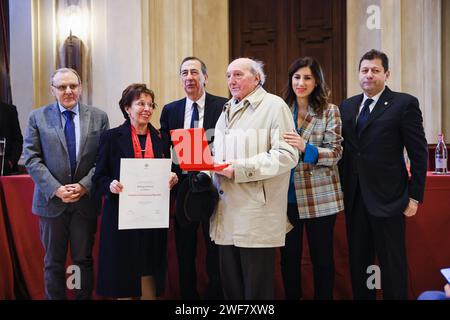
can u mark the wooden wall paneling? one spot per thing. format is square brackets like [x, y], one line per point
[294, 28]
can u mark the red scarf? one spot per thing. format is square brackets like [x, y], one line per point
[137, 145]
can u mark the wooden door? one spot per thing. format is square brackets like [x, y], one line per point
[279, 31]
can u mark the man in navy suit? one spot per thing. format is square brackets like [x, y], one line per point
[60, 150]
[10, 129]
[197, 109]
[378, 193]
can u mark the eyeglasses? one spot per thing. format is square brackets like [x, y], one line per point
[63, 88]
[142, 104]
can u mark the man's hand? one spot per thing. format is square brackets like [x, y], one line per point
[447, 290]
[411, 209]
[77, 191]
[64, 194]
[227, 172]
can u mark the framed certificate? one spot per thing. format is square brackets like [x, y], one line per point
[144, 200]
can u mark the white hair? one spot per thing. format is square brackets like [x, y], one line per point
[257, 67]
[64, 70]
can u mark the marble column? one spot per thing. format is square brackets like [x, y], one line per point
[410, 33]
[180, 28]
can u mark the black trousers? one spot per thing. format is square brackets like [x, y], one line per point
[369, 236]
[320, 240]
[247, 273]
[56, 234]
[186, 244]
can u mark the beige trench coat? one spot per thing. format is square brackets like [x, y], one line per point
[251, 211]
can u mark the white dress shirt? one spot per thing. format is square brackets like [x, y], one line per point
[188, 111]
[375, 99]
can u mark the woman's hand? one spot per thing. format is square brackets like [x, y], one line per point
[411, 209]
[115, 187]
[173, 180]
[294, 139]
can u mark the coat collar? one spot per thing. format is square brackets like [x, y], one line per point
[308, 123]
[256, 97]
[85, 123]
[208, 117]
[181, 110]
[126, 145]
[253, 100]
[54, 119]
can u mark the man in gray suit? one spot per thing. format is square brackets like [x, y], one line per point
[60, 149]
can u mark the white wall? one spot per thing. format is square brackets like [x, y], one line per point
[116, 53]
[21, 60]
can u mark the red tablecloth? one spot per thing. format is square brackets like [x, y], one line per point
[18, 193]
[428, 243]
[428, 237]
[6, 267]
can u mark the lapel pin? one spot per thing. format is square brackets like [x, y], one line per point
[385, 103]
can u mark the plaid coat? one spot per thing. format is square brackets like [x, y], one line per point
[317, 186]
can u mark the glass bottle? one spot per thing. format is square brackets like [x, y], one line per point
[441, 155]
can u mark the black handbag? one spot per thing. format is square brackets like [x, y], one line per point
[197, 198]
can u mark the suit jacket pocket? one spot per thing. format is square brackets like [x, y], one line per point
[251, 194]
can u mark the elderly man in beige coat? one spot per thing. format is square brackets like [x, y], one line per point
[250, 220]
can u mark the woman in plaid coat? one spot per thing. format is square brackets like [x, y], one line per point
[315, 195]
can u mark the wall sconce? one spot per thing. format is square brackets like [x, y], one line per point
[72, 54]
[73, 26]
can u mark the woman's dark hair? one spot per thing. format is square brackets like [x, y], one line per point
[318, 98]
[132, 92]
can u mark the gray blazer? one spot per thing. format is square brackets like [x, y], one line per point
[47, 159]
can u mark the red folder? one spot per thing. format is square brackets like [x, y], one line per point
[192, 150]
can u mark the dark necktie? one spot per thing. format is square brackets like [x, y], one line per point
[194, 117]
[69, 132]
[363, 116]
